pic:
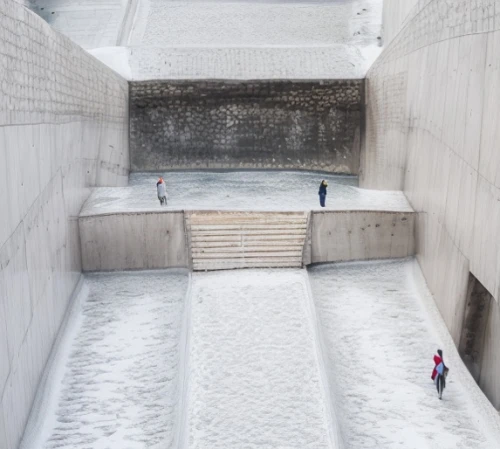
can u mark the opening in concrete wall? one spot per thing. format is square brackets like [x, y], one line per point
[472, 339]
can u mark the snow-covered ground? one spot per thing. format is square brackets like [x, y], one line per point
[242, 190]
[338, 357]
[239, 39]
[255, 378]
[380, 329]
[89, 23]
[113, 381]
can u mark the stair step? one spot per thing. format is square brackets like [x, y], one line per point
[248, 255]
[240, 248]
[250, 232]
[232, 227]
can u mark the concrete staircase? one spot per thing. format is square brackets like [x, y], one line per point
[228, 240]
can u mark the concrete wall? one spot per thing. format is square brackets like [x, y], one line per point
[432, 130]
[360, 235]
[135, 241]
[396, 14]
[158, 239]
[63, 128]
[254, 124]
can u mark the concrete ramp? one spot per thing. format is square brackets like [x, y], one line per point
[228, 240]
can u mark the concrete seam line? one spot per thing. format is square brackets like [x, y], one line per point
[334, 430]
[180, 432]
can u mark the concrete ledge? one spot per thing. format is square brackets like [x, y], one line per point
[154, 240]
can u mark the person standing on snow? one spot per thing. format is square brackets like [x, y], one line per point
[322, 193]
[162, 191]
[439, 372]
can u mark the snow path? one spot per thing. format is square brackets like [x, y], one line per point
[381, 329]
[255, 378]
[247, 190]
[113, 382]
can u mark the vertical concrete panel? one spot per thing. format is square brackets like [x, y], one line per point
[485, 255]
[452, 167]
[4, 346]
[489, 163]
[51, 141]
[337, 236]
[489, 380]
[15, 291]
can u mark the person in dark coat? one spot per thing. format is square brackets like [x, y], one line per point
[322, 193]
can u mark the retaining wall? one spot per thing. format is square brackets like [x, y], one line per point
[145, 240]
[63, 129]
[432, 130]
[246, 124]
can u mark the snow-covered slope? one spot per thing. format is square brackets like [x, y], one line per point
[266, 39]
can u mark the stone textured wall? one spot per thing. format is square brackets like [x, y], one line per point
[432, 115]
[63, 129]
[254, 124]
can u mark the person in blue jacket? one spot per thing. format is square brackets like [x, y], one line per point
[322, 193]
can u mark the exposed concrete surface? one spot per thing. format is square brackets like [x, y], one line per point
[130, 241]
[279, 124]
[361, 235]
[432, 130]
[63, 129]
[133, 241]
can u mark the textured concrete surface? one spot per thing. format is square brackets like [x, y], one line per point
[361, 235]
[432, 130]
[125, 241]
[303, 125]
[133, 241]
[63, 129]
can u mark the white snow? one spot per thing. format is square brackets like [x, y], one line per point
[266, 39]
[113, 380]
[116, 58]
[254, 39]
[380, 329]
[255, 379]
[241, 190]
[339, 357]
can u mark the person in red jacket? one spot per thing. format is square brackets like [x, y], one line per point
[439, 372]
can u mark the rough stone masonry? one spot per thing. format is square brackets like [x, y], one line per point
[313, 125]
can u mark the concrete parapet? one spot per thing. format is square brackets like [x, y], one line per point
[133, 241]
[360, 235]
[130, 241]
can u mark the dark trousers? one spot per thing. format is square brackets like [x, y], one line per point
[322, 199]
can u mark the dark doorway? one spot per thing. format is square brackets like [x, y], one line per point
[477, 310]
